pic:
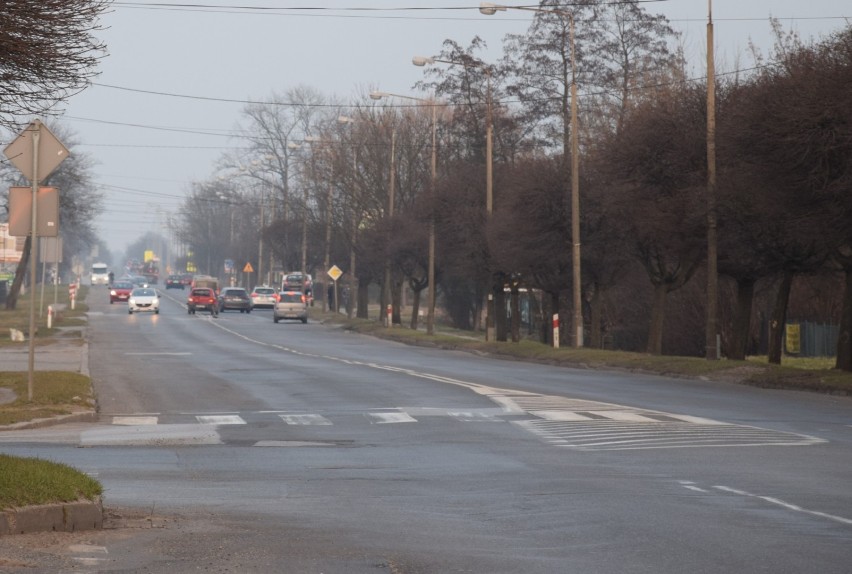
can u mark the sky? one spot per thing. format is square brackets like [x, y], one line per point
[150, 131]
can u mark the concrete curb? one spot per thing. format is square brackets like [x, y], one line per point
[88, 416]
[60, 517]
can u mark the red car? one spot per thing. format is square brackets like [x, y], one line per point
[120, 291]
[204, 299]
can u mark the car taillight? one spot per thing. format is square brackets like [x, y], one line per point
[303, 298]
[277, 297]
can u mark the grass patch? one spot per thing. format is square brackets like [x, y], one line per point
[28, 481]
[54, 393]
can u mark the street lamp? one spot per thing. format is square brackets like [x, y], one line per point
[490, 9]
[430, 318]
[489, 168]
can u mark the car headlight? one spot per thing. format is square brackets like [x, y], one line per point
[112, 292]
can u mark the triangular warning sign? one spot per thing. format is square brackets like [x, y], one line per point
[248, 268]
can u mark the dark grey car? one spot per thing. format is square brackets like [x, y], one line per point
[235, 298]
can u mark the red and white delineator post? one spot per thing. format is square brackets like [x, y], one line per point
[556, 330]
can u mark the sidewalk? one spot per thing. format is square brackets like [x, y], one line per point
[62, 353]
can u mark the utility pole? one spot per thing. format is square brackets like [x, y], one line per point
[712, 352]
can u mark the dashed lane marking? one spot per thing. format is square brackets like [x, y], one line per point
[307, 419]
[220, 420]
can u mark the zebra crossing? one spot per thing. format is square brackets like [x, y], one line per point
[558, 421]
[378, 417]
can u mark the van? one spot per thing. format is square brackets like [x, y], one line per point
[205, 281]
[100, 274]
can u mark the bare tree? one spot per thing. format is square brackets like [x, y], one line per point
[47, 54]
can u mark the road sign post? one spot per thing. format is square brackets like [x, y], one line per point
[335, 272]
[24, 153]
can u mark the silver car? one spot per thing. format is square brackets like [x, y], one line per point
[262, 296]
[143, 299]
[291, 305]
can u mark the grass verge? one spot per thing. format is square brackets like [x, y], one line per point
[816, 375]
[28, 481]
[54, 393]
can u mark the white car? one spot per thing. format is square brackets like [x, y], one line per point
[263, 296]
[143, 299]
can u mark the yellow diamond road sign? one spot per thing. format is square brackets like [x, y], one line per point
[334, 272]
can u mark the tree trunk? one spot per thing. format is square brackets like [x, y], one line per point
[415, 309]
[20, 272]
[658, 316]
[596, 317]
[363, 298]
[844, 340]
[516, 315]
[778, 320]
[500, 315]
[396, 302]
[742, 320]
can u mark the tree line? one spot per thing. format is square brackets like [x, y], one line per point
[330, 174]
[315, 180]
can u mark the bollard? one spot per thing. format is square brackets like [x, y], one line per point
[556, 330]
[390, 316]
[49, 316]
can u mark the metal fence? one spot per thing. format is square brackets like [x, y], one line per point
[807, 339]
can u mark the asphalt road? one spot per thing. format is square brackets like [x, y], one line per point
[238, 445]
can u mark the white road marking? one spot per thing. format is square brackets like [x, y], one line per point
[305, 419]
[560, 416]
[670, 433]
[787, 505]
[135, 420]
[688, 484]
[695, 420]
[291, 443]
[624, 416]
[596, 435]
[390, 418]
[81, 548]
[154, 354]
[474, 416]
[220, 420]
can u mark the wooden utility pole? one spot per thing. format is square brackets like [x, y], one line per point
[712, 352]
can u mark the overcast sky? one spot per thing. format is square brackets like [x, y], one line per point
[149, 143]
